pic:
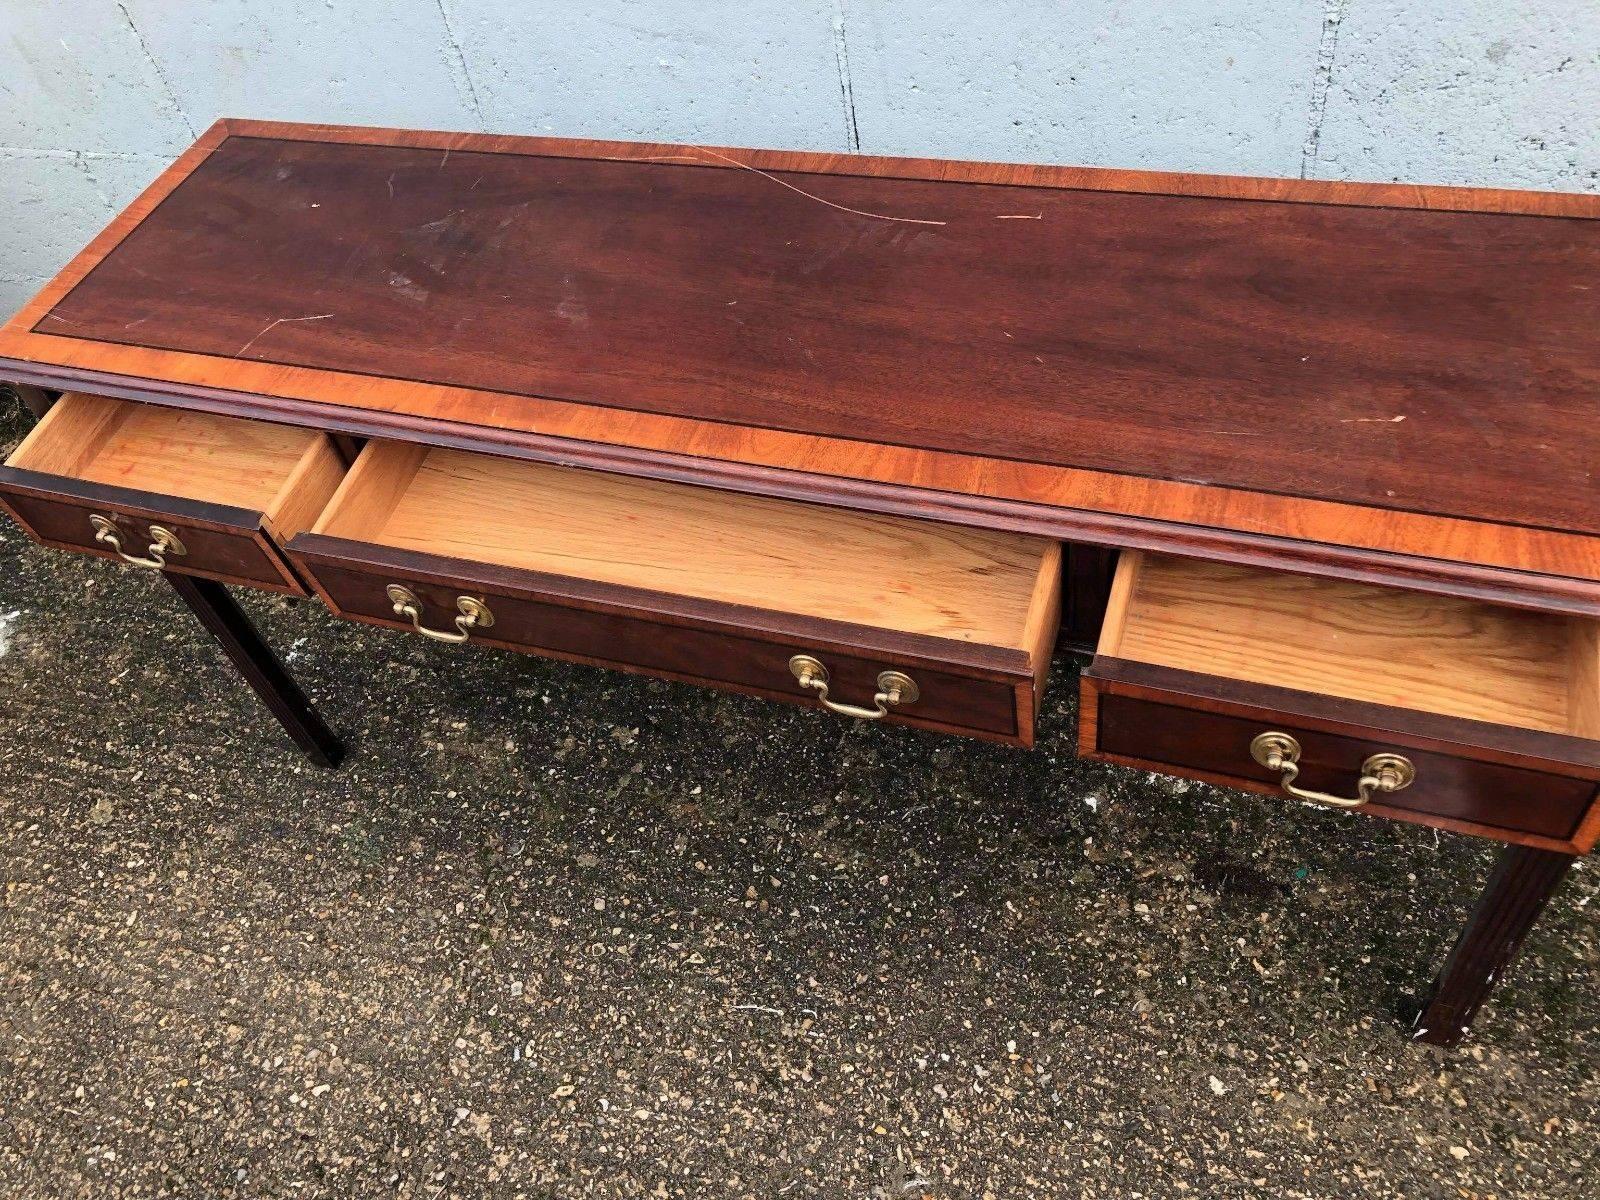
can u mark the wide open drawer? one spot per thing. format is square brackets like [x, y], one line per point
[914, 622]
[1257, 679]
[169, 489]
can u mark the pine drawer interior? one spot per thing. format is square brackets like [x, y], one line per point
[1439, 654]
[285, 473]
[890, 572]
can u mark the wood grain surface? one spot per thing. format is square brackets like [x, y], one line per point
[1484, 798]
[968, 688]
[1515, 784]
[910, 576]
[1433, 653]
[222, 460]
[1379, 369]
[244, 463]
[228, 487]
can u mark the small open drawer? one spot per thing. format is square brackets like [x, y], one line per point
[882, 617]
[1437, 709]
[170, 490]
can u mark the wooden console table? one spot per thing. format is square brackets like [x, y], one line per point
[1311, 466]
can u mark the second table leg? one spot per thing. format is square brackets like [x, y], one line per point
[1522, 882]
[220, 613]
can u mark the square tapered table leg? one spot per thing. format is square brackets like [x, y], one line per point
[221, 614]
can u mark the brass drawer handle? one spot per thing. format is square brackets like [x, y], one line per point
[894, 687]
[1380, 773]
[474, 614]
[163, 542]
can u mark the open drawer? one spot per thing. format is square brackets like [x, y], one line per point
[170, 490]
[882, 617]
[1437, 709]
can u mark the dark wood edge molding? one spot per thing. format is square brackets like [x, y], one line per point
[979, 661]
[1495, 585]
[1435, 197]
[1533, 749]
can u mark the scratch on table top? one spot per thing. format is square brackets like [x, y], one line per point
[271, 325]
[702, 157]
[1372, 420]
[1019, 216]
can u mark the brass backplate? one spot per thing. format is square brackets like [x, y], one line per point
[804, 667]
[166, 540]
[471, 606]
[1394, 771]
[899, 685]
[1274, 749]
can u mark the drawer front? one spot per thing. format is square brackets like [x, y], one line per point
[675, 649]
[219, 542]
[1173, 734]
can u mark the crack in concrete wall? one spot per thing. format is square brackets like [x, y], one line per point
[456, 60]
[166, 84]
[81, 161]
[1333, 12]
[841, 54]
[62, 152]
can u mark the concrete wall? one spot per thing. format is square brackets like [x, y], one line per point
[100, 94]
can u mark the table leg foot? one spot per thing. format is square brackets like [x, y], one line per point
[1522, 882]
[221, 614]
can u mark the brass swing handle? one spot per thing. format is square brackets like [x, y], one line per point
[1381, 773]
[894, 687]
[474, 614]
[163, 542]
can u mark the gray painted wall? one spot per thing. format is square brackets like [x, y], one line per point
[99, 95]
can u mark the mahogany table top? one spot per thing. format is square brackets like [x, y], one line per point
[1369, 379]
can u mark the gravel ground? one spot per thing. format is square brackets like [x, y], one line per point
[553, 931]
